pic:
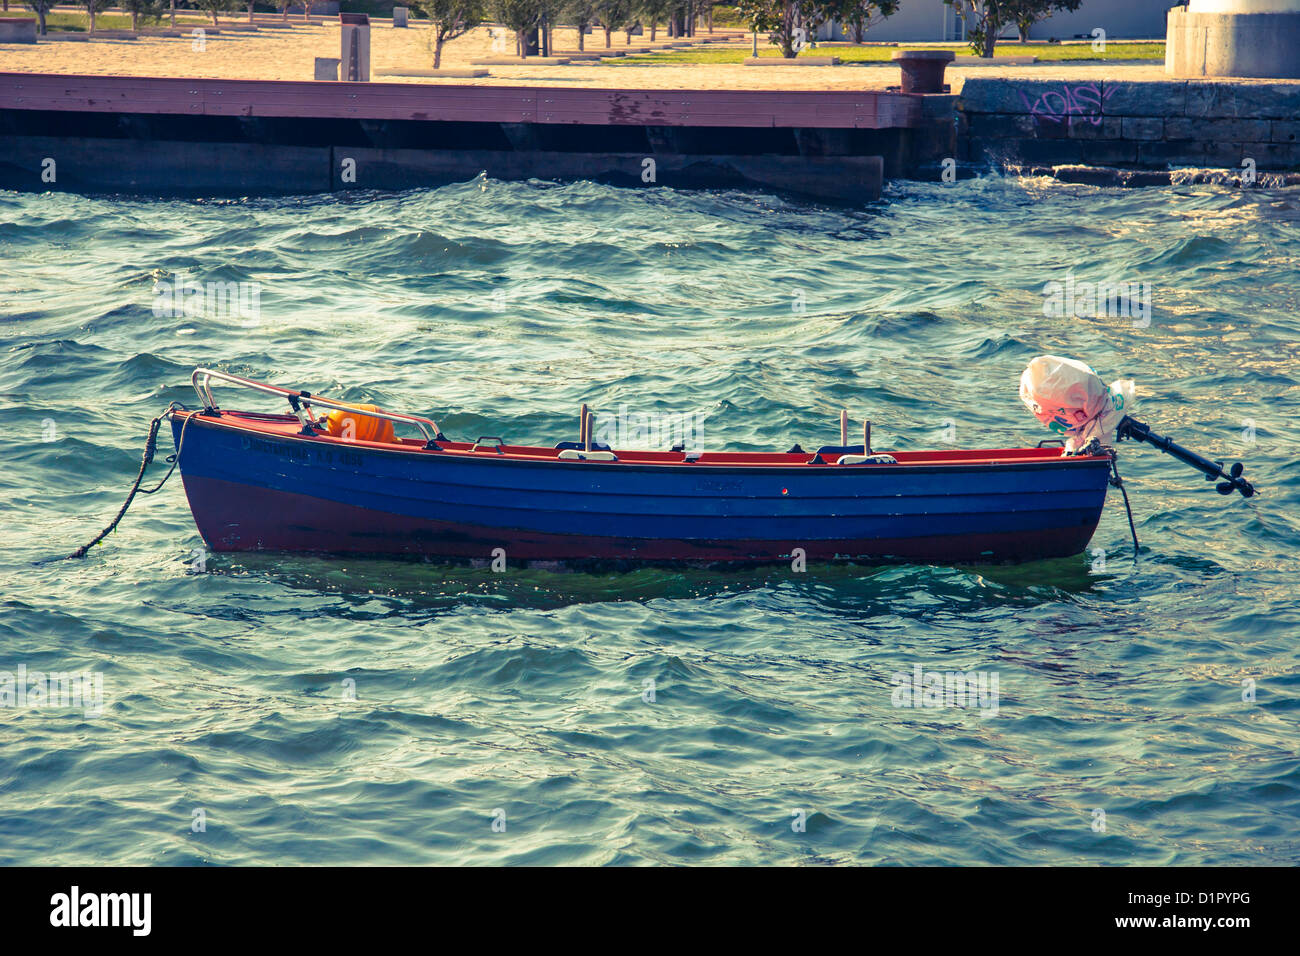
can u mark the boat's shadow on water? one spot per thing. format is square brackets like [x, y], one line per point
[851, 588]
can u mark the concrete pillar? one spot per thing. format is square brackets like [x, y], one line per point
[355, 47]
[399, 16]
[1251, 38]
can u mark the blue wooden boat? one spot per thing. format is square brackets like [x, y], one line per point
[281, 482]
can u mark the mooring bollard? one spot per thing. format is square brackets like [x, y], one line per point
[923, 69]
[399, 16]
[355, 41]
[327, 68]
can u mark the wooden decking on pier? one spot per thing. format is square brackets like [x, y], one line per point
[757, 109]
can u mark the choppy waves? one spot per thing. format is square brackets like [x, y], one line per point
[499, 307]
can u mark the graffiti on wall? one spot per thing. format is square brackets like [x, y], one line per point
[1071, 103]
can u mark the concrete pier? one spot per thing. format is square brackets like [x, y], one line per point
[169, 135]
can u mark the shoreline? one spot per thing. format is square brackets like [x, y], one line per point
[249, 94]
[288, 54]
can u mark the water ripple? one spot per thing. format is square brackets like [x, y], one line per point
[343, 711]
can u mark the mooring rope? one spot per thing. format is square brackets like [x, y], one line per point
[150, 446]
[1118, 482]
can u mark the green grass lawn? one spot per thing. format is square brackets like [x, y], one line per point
[1115, 50]
[1053, 52]
[80, 23]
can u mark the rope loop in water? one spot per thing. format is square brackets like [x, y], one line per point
[150, 447]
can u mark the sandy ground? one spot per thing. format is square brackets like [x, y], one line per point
[289, 54]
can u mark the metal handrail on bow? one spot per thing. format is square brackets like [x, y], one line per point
[202, 379]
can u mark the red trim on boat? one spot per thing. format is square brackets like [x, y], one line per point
[288, 427]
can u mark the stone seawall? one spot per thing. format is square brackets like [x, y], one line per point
[1226, 124]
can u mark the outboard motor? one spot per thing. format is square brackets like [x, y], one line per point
[1072, 401]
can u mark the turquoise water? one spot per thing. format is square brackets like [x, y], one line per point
[522, 697]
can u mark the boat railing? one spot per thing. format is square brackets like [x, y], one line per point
[298, 400]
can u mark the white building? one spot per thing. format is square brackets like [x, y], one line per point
[933, 20]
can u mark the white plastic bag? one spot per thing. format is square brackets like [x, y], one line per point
[1071, 400]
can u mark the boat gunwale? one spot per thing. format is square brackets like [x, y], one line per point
[414, 451]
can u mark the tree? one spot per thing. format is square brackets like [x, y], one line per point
[1025, 13]
[583, 14]
[679, 16]
[791, 22]
[682, 19]
[212, 6]
[449, 19]
[521, 16]
[612, 15]
[654, 12]
[93, 7]
[985, 19]
[146, 10]
[858, 16]
[551, 11]
[40, 8]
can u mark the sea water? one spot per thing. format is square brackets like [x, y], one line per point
[270, 708]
